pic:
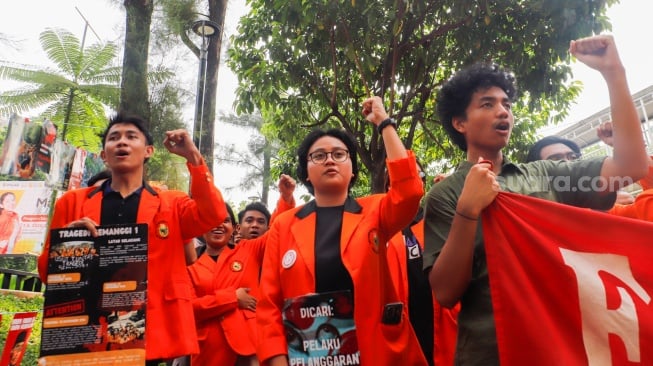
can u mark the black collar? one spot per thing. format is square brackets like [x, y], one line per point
[350, 206]
[106, 185]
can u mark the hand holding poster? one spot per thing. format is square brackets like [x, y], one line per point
[94, 309]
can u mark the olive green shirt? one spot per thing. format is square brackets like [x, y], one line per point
[561, 181]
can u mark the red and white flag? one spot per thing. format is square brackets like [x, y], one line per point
[570, 286]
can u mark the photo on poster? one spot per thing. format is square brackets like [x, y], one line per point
[17, 338]
[320, 329]
[24, 208]
[20, 147]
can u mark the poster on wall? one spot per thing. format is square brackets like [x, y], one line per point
[24, 208]
[16, 343]
[94, 310]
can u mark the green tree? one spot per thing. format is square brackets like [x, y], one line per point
[165, 111]
[134, 86]
[314, 62]
[180, 15]
[256, 160]
[75, 95]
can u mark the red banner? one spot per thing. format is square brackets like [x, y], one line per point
[570, 286]
[16, 343]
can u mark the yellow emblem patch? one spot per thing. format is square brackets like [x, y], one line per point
[163, 230]
[236, 266]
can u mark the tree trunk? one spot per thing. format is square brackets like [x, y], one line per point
[267, 178]
[134, 96]
[217, 10]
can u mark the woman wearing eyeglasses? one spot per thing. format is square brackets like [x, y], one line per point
[334, 247]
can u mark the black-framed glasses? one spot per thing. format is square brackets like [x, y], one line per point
[337, 155]
[570, 156]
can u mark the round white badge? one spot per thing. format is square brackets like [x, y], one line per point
[289, 259]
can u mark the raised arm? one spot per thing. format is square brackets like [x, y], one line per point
[629, 157]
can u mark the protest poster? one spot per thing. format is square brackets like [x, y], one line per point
[320, 329]
[20, 147]
[94, 312]
[16, 343]
[24, 207]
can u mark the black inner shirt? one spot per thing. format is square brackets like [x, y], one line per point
[330, 271]
[116, 209]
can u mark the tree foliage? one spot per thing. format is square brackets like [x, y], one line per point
[310, 64]
[75, 94]
[256, 160]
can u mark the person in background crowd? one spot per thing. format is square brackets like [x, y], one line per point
[475, 110]
[253, 221]
[225, 281]
[336, 244]
[172, 218]
[434, 325]
[560, 149]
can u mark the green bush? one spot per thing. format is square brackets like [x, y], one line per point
[11, 304]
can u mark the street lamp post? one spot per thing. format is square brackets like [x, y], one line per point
[205, 29]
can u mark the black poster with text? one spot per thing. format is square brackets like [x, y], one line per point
[95, 299]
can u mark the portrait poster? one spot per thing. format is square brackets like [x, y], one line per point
[16, 343]
[61, 165]
[45, 152]
[24, 209]
[77, 169]
[92, 165]
[320, 329]
[20, 147]
[95, 300]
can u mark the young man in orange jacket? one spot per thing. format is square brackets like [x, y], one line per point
[172, 220]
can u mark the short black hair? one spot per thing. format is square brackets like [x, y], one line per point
[255, 206]
[456, 94]
[122, 117]
[101, 175]
[230, 211]
[535, 150]
[309, 140]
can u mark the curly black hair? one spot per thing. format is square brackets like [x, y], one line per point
[456, 94]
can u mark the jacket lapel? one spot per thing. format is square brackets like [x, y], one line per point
[352, 216]
[92, 206]
[148, 206]
[303, 231]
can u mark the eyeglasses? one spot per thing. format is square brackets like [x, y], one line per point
[337, 155]
[570, 156]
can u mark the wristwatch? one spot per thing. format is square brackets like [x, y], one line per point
[385, 123]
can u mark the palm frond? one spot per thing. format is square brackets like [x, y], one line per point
[63, 48]
[95, 59]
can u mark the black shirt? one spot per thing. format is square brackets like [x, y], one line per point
[116, 209]
[330, 271]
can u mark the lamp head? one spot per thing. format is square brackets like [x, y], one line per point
[206, 28]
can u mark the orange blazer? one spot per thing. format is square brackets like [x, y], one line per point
[224, 331]
[445, 321]
[367, 222]
[173, 218]
[641, 209]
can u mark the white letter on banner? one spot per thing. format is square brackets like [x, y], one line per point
[597, 319]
